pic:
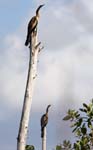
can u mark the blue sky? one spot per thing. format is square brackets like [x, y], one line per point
[12, 14]
[65, 68]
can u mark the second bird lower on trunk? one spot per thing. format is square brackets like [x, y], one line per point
[44, 121]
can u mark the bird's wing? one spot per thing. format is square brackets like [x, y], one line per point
[32, 24]
[44, 120]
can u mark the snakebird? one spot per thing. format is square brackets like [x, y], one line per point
[44, 121]
[32, 25]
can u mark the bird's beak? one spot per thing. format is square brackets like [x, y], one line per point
[42, 5]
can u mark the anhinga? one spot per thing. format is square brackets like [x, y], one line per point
[44, 121]
[32, 25]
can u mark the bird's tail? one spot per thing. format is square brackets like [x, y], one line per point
[42, 132]
[27, 40]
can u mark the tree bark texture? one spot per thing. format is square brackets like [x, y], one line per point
[24, 122]
[44, 140]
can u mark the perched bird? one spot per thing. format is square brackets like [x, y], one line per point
[44, 121]
[32, 25]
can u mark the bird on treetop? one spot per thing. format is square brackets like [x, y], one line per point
[32, 25]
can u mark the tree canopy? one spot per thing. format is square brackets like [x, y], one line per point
[82, 125]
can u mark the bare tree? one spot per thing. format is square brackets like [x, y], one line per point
[34, 49]
[44, 140]
[44, 122]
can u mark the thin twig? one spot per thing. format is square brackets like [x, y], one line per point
[37, 45]
[41, 48]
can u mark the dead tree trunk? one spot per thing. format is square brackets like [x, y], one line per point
[44, 122]
[44, 140]
[23, 128]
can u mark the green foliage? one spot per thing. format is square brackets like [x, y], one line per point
[29, 147]
[65, 146]
[82, 124]
[58, 147]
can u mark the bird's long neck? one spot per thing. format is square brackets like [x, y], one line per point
[47, 114]
[47, 110]
[37, 15]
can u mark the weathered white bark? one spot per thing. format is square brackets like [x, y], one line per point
[23, 128]
[44, 140]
